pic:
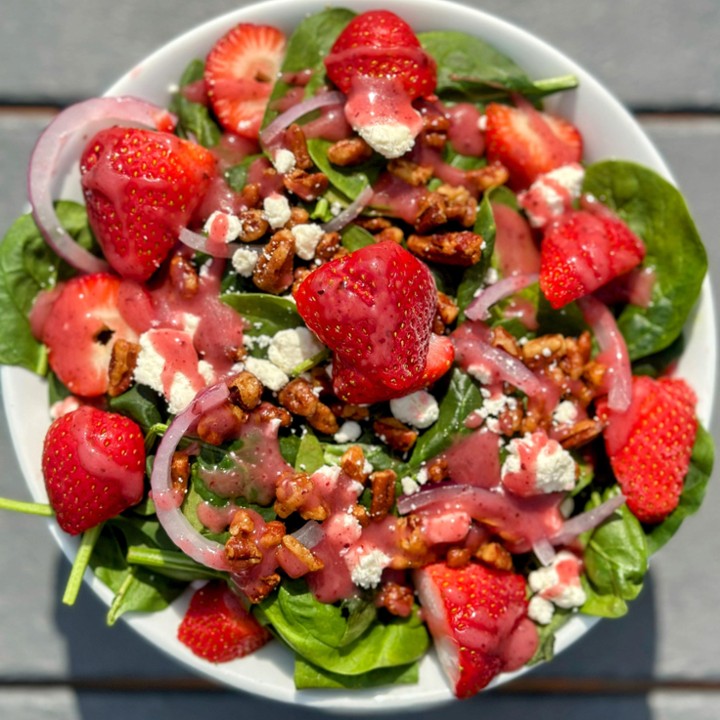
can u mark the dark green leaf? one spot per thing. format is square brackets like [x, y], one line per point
[310, 455]
[350, 181]
[354, 237]
[308, 676]
[264, 314]
[139, 403]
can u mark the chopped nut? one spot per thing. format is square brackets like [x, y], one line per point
[272, 535]
[458, 557]
[397, 599]
[259, 589]
[295, 493]
[183, 277]
[353, 464]
[298, 397]
[323, 420]
[349, 151]
[411, 540]
[328, 247]
[274, 270]
[297, 144]
[253, 225]
[437, 470]
[123, 359]
[221, 424]
[501, 338]
[245, 390]
[360, 513]
[447, 308]
[382, 483]
[394, 234]
[543, 349]
[180, 472]
[268, 413]
[462, 248]
[431, 213]
[396, 435]
[349, 411]
[307, 186]
[460, 205]
[492, 175]
[581, 433]
[302, 553]
[298, 216]
[251, 195]
[410, 172]
[495, 555]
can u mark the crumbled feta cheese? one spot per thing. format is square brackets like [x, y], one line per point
[369, 567]
[391, 139]
[277, 210]
[559, 582]
[181, 393]
[494, 406]
[556, 469]
[207, 371]
[284, 161]
[409, 485]
[540, 610]
[552, 193]
[419, 409]
[565, 413]
[257, 341]
[269, 374]
[553, 467]
[293, 347]
[307, 236]
[482, 373]
[222, 227]
[349, 431]
[244, 261]
[190, 323]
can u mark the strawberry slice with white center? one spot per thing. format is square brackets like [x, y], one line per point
[83, 325]
[240, 72]
[378, 62]
[477, 616]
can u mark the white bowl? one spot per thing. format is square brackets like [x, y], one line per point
[609, 131]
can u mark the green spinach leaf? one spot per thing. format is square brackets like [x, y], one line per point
[264, 314]
[308, 676]
[194, 117]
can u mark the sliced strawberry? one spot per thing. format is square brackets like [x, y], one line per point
[93, 463]
[581, 251]
[83, 325]
[477, 617]
[141, 187]
[649, 445]
[374, 308]
[217, 627]
[240, 72]
[529, 142]
[380, 44]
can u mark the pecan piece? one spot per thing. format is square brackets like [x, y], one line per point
[397, 599]
[394, 434]
[496, 555]
[353, 464]
[245, 390]
[183, 277]
[382, 483]
[307, 186]
[253, 225]
[274, 270]
[295, 493]
[302, 553]
[221, 424]
[581, 433]
[297, 144]
[180, 472]
[490, 176]
[410, 172]
[431, 213]
[462, 248]
[349, 151]
[123, 359]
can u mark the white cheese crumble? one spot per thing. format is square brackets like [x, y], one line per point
[349, 432]
[546, 582]
[307, 236]
[244, 261]
[269, 374]
[553, 465]
[190, 323]
[411, 485]
[230, 223]
[390, 139]
[540, 610]
[277, 210]
[419, 409]
[552, 193]
[369, 568]
[292, 347]
[284, 161]
[565, 413]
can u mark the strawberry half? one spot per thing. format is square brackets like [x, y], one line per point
[141, 187]
[83, 325]
[649, 445]
[93, 463]
[583, 250]
[528, 142]
[240, 72]
[477, 616]
[217, 627]
[374, 309]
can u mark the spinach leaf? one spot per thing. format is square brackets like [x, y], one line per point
[28, 266]
[236, 176]
[615, 557]
[310, 455]
[696, 480]
[472, 68]
[194, 117]
[343, 640]
[656, 211]
[139, 403]
[264, 314]
[354, 237]
[461, 398]
[308, 675]
[546, 636]
[306, 50]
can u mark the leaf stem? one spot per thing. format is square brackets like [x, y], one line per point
[80, 564]
[29, 508]
[171, 562]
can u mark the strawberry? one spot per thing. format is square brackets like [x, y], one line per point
[379, 44]
[374, 308]
[582, 250]
[477, 616]
[93, 463]
[240, 72]
[529, 142]
[83, 325]
[141, 187]
[649, 445]
[217, 627]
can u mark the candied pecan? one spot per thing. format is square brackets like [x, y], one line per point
[458, 557]
[299, 274]
[183, 277]
[350, 411]
[241, 548]
[269, 413]
[259, 589]
[394, 234]
[349, 151]
[294, 493]
[123, 359]
[307, 186]
[373, 224]
[490, 176]
[496, 555]
[245, 390]
[353, 464]
[360, 513]
[447, 308]
[462, 248]
[272, 535]
[581, 433]
[274, 270]
[323, 420]
[302, 553]
[328, 247]
[543, 349]
[382, 483]
[397, 599]
[394, 434]
[221, 424]
[251, 195]
[298, 397]
[179, 471]
[435, 127]
[411, 540]
[297, 144]
[437, 470]
[253, 225]
[460, 205]
[320, 380]
[510, 419]
[410, 172]
[298, 216]
[431, 212]
[594, 373]
[501, 338]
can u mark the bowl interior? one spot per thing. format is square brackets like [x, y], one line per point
[609, 131]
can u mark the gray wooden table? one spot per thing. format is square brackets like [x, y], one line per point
[661, 661]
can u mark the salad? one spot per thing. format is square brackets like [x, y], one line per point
[350, 344]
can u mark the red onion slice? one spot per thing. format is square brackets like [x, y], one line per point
[203, 244]
[544, 551]
[168, 500]
[479, 308]
[65, 137]
[614, 351]
[588, 520]
[271, 132]
[350, 212]
[309, 534]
